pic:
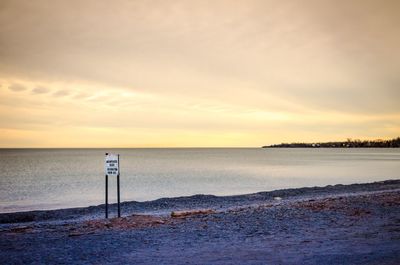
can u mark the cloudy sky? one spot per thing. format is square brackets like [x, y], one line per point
[197, 73]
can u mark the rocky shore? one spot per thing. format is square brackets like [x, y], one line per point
[341, 224]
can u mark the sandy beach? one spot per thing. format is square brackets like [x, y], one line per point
[340, 224]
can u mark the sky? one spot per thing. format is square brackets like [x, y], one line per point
[197, 73]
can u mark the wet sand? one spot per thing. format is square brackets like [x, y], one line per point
[341, 224]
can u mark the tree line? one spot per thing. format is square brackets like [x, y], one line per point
[350, 143]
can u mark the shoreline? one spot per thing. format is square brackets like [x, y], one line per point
[163, 206]
[355, 143]
[340, 224]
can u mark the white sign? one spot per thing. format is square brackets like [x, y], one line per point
[112, 165]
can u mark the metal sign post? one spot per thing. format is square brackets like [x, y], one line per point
[106, 196]
[112, 169]
[118, 195]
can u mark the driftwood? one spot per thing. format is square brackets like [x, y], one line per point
[182, 214]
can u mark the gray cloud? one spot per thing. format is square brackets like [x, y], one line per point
[82, 95]
[40, 90]
[212, 48]
[16, 87]
[61, 93]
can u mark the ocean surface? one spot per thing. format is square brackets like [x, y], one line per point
[33, 179]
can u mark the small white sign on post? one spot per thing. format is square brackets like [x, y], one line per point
[111, 169]
[112, 165]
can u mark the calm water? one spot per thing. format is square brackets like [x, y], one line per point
[59, 178]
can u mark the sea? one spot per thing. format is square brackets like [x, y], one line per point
[43, 179]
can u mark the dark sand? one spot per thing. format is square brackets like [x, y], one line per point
[341, 224]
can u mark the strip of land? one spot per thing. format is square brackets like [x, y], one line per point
[341, 224]
[393, 143]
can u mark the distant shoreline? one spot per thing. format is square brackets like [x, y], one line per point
[393, 143]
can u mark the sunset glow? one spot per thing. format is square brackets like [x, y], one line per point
[197, 73]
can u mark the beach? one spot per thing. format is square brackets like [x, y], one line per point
[200, 132]
[336, 224]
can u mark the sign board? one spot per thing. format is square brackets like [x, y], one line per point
[111, 168]
[112, 165]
